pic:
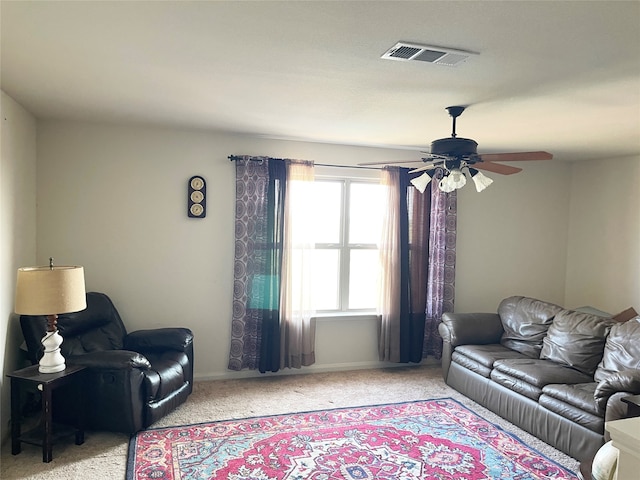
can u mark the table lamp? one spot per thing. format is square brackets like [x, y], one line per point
[49, 291]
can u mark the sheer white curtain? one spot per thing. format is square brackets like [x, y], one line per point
[389, 287]
[297, 332]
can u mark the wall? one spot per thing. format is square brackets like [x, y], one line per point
[603, 262]
[512, 237]
[113, 199]
[17, 230]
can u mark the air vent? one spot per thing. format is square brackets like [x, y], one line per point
[406, 52]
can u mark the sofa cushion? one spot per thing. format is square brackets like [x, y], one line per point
[539, 372]
[487, 355]
[516, 385]
[588, 420]
[579, 395]
[577, 340]
[528, 376]
[470, 364]
[480, 358]
[525, 322]
[593, 311]
[621, 350]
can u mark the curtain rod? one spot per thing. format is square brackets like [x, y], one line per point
[233, 158]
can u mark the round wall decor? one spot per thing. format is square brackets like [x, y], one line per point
[197, 197]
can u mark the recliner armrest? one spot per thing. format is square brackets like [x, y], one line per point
[111, 360]
[471, 328]
[179, 339]
[623, 381]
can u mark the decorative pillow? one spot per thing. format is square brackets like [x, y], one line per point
[577, 340]
[626, 315]
[622, 349]
[525, 322]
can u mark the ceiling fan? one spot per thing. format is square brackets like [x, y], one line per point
[454, 154]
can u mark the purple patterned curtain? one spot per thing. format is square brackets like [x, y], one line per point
[272, 324]
[255, 337]
[442, 265]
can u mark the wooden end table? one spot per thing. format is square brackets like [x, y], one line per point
[633, 405]
[46, 383]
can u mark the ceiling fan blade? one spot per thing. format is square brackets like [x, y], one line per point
[422, 169]
[496, 168]
[515, 157]
[365, 164]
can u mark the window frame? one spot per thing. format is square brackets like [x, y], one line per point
[344, 247]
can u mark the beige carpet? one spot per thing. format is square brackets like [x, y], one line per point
[104, 455]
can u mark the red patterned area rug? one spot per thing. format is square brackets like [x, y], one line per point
[431, 439]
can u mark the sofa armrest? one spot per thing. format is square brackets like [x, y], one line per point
[623, 381]
[470, 328]
[179, 339]
[111, 360]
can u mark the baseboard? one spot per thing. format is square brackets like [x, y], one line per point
[331, 367]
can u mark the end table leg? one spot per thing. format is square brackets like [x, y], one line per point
[15, 417]
[47, 413]
[81, 409]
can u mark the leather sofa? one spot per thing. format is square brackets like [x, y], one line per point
[558, 374]
[132, 379]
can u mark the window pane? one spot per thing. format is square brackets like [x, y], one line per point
[365, 213]
[363, 279]
[327, 211]
[326, 277]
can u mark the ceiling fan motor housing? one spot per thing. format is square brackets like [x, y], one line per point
[454, 147]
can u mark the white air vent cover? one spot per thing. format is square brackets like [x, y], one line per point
[405, 52]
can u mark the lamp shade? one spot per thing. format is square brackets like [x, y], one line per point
[50, 290]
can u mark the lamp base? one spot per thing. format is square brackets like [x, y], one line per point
[52, 361]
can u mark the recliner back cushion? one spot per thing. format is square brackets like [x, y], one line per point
[525, 321]
[621, 350]
[100, 311]
[98, 327]
[577, 340]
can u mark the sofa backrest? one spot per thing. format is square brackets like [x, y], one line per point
[576, 339]
[98, 327]
[525, 322]
[621, 349]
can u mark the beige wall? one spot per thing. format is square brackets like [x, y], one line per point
[17, 230]
[512, 238]
[113, 199]
[603, 261]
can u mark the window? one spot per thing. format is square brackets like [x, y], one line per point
[347, 221]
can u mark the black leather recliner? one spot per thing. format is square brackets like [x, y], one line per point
[133, 379]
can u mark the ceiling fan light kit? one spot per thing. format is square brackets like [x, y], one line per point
[422, 181]
[480, 180]
[454, 154]
[453, 181]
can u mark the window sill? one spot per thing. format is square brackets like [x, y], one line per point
[341, 316]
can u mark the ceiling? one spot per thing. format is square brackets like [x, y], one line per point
[561, 76]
